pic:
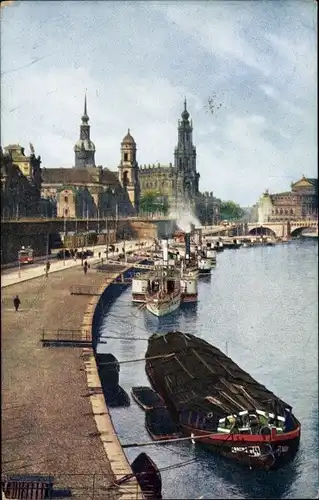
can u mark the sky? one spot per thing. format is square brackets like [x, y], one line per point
[256, 60]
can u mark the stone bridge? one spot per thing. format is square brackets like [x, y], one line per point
[282, 229]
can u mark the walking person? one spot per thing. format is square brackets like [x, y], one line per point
[16, 302]
[85, 267]
[47, 268]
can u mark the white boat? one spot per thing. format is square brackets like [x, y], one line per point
[211, 255]
[139, 287]
[204, 266]
[162, 301]
[189, 289]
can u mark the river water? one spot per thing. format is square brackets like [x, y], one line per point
[260, 304]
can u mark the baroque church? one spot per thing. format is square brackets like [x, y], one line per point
[89, 190]
[179, 184]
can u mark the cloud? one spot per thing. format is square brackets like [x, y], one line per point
[138, 62]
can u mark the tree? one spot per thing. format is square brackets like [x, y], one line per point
[229, 210]
[152, 202]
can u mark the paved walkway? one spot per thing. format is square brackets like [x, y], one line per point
[47, 421]
[29, 272]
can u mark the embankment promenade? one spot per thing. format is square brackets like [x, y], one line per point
[54, 417]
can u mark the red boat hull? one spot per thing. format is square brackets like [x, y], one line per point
[256, 451]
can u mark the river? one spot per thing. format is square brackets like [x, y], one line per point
[261, 304]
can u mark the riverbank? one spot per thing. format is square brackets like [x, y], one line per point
[15, 275]
[51, 394]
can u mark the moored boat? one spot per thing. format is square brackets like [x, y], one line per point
[219, 404]
[164, 296]
[146, 398]
[147, 475]
[163, 302]
[204, 266]
[211, 255]
[160, 424]
[219, 246]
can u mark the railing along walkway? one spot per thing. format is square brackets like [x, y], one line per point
[85, 290]
[63, 338]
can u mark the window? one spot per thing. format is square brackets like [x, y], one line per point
[66, 199]
[66, 212]
[125, 156]
[125, 178]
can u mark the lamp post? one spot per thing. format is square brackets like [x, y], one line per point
[107, 238]
[64, 230]
[19, 264]
[87, 224]
[116, 212]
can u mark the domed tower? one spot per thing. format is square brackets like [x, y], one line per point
[129, 171]
[185, 160]
[84, 149]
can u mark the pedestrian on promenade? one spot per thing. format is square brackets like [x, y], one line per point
[85, 267]
[16, 302]
[99, 255]
[47, 268]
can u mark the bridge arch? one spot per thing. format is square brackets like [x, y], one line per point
[262, 231]
[296, 231]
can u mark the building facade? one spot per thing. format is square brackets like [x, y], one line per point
[178, 183]
[128, 171]
[87, 190]
[21, 181]
[298, 204]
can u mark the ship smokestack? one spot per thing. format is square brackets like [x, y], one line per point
[187, 246]
[165, 252]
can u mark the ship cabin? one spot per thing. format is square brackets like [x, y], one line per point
[255, 421]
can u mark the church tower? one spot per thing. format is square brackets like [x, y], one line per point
[84, 149]
[185, 161]
[129, 170]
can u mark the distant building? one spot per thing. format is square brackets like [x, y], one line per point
[178, 183]
[208, 208]
[128, 170]
[85, 190]
[299, 203]
[20, 183]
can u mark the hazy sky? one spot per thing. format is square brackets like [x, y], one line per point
[139, 59]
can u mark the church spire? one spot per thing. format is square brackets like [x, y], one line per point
[185, 114]
[84, 148]
[85, 117]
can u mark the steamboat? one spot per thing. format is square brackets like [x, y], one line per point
[175, 269]
[220, 405]
[164, 297]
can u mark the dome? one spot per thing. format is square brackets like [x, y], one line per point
[84, 145]
[185, 114]
[128, 139]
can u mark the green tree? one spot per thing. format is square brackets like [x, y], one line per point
[230, 210]
[152, 202]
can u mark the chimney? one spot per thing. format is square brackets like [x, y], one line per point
[187, 246]
[165, 252]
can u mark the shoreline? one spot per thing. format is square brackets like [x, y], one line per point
[61, 358]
